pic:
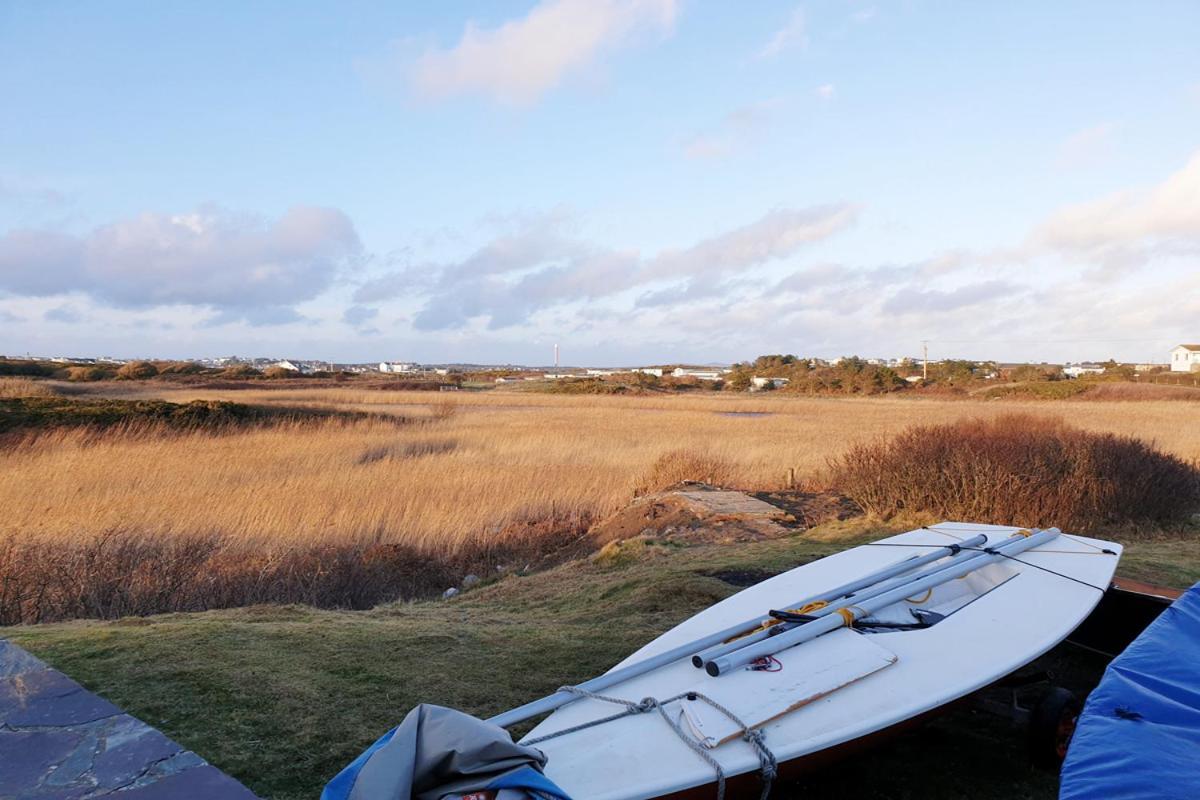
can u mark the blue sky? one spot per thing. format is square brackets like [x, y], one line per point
[638, 180]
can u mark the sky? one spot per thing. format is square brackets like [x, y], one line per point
[639, 181]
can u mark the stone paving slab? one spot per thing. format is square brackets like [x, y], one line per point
[732, 504]
[59, 741]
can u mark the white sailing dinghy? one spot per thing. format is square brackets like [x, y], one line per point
[876, 636]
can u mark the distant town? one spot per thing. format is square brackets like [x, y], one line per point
[912, 369]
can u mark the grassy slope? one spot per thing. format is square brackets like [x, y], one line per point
[282, 697]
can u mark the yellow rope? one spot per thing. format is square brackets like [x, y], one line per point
[928, 594]
[847, 616]
[807, 608]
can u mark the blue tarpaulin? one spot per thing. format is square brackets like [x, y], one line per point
[1139, 733]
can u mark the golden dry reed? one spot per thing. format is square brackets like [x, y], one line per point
[479, 462]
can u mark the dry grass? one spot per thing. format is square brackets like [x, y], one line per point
[13, 388]
[477, 474]
[452, 482]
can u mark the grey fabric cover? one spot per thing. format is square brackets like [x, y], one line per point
[438, 752]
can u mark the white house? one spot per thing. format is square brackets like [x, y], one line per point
[290, 366]
[1086, 368]
[396, 366]
[761, 383]
[655, 371]
[1185, 358]
[698, 374]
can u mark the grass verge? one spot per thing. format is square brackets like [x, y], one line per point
[283, 696]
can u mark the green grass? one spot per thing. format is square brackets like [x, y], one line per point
[1040, 390]
[283, 697]
[25, 413]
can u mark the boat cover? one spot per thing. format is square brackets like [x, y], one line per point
[440, 753]
[1139, 733]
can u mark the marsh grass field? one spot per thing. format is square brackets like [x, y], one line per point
[462, 468]
[268, 516]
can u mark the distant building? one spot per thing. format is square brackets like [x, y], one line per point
[762, 383]
[698, 374]
[1086, 368]
[290, 366]
[655, 371]
[396, 366]
[1185, 358]
[602, 372]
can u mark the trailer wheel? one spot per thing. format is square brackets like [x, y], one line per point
[1051, 726]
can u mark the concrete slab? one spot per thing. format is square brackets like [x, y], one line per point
[59, 741]
[729, 503]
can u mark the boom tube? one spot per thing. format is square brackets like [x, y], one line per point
[718, 650]
[613, 677]
[871, 602]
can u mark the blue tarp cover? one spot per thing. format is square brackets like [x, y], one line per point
[1139, 733]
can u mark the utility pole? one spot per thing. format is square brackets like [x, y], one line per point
[924, 359]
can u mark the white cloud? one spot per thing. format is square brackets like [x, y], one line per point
[238, 264]
[540, 267]
[825, 91]
[915, 300]
[1167, 213]
[519, 61]
[776, 235]
[794, 33]
[735, 129]
[64, 313]
[1087, 147]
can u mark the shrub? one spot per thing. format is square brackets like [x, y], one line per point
[37, 369]
[1043, 390]
[240, 371]
[123, 573]
[89, 373]
[137, 371]
[678, 466]
[182, 368]
[1021, 470]
[280, 372]
[443, 409]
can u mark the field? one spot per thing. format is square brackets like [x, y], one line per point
[119, 505]
[466, 468]
[283, 697]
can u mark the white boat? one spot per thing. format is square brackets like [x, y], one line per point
[838, 690]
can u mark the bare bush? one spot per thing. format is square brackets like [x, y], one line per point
[1021, 470]
[678, 466]
[443, 409]
[125, 573]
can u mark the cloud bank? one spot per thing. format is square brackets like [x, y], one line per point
[519, 61]
[539, 267]
[237, 264]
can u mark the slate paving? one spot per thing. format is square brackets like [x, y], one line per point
[59, 741]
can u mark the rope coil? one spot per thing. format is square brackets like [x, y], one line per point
[768, 765]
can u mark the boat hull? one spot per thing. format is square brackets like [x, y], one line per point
[997, 620]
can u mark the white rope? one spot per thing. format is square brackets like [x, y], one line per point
[768, 765]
